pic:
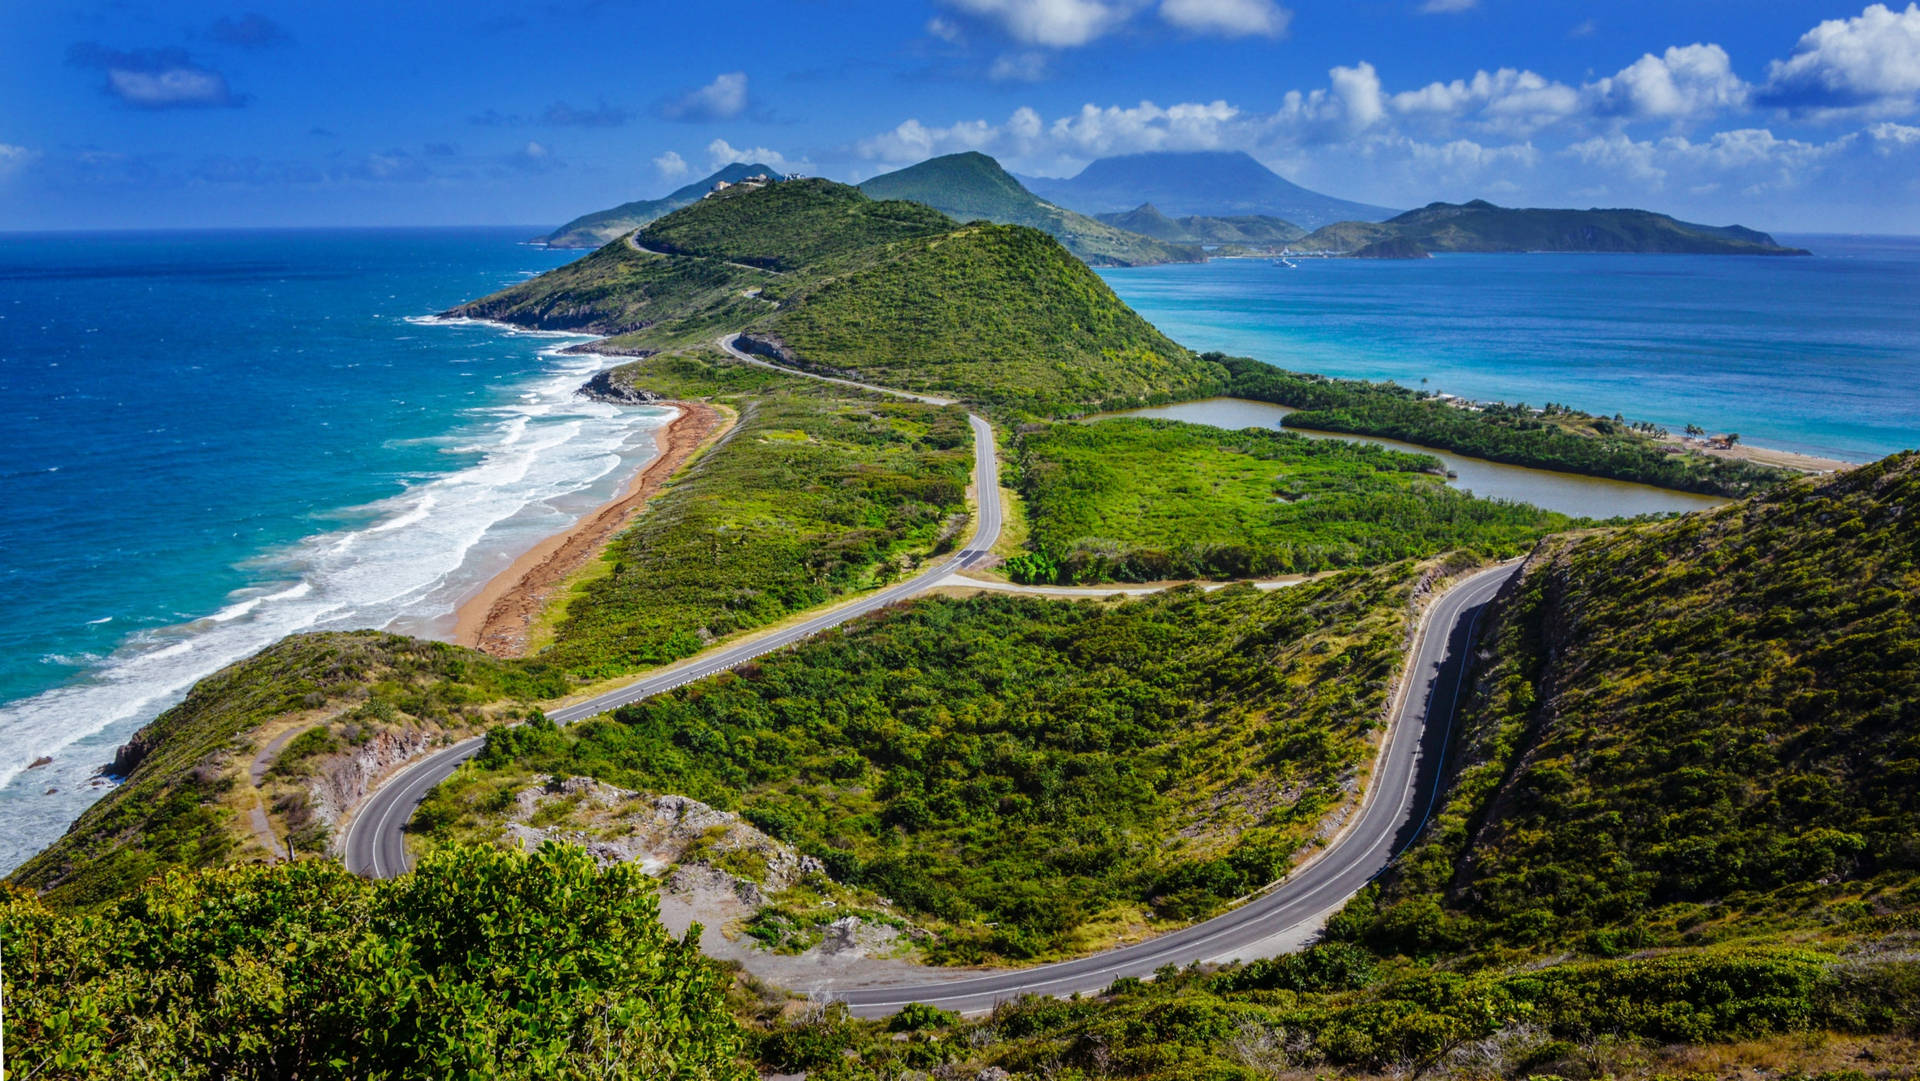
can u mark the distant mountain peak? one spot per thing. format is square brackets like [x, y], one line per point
[1203, 183]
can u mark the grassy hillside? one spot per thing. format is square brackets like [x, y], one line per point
[600, 227]
[1143, 500]
[1480, 226]
[176, 806]
[1699, 730]
[992, 313]
[815, 494]
[1029, 775]
[620, 289]
[973, 186]
[1556, 437]
[790, 225]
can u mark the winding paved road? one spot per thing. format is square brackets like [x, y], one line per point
[1400, 795]
[376, 838]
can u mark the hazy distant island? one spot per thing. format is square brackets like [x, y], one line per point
[1480, 226]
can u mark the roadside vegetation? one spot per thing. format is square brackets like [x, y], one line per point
[1694, 731]
[482, 963]
[1016, 772]
[817, 493]
[1557, 438]
[1131, 499]
[176, 806]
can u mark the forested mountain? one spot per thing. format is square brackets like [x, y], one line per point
[1212, 183]
[1480, 226]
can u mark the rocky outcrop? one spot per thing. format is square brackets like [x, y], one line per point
[343, 780]
[607, 387]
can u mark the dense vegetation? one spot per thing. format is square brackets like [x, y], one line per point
[1560, 438]
[1694, 730]
[169, 811]
[1019, 770]
[817, 493]
[993, 313]
[483, 963]
[621, 290]
[1479, 226]
[789, 225]
[1144, 500]
[973, 187]
[593, 230]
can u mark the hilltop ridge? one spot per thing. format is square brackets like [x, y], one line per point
[972, 186]
[595, 229]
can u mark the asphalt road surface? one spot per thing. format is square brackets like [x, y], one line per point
[376, 838]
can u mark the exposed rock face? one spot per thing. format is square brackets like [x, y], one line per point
[661, 832]
[345, 779]
[605, 388]
[128, 756]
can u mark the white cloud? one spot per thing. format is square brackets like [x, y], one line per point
[14, 158]
[1051, 23]
[720, 153]
[169, 88]
[1025, 66]
[945, 29]
[1685, 82]
[1228, 18]
[722, 99]
[1448, 7]
[1887, 138]
[670, 165]
[1509, 100]
[1871, 62]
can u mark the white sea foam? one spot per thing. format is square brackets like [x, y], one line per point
[403, 563]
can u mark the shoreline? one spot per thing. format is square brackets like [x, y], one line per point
[496, 619]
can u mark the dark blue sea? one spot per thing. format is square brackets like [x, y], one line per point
[216, 439]
[1819, 354]
[213, 440]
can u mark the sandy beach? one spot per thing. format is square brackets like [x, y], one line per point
[1783, 459]
[497, 618]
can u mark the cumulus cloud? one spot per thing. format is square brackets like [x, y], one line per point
[1508, 100]
[1685, 82]
[722, 99]
[1871, 63]
[250, 31]
[670, 165]
[155, 78]
[720, 153]
[1052, 23]
[1228, 18]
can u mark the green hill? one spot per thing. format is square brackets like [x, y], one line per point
[973, 187]
[994, 313]
[1703, 729]
[1480, 226]
[1248, 230]
[593, 230]
[891, 290]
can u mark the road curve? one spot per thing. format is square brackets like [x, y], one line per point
[1401, 791]
[376, 839]
[1400, 795]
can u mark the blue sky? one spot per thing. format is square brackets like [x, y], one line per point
[1783, 114]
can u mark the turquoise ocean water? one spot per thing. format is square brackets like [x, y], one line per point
[216, 439]
[1819, 355]
[213, 440]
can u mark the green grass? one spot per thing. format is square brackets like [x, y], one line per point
[1000, 315]
[790, 225]
[1142, 500]
[1016, 770]
[816, 494]
[618, 290]
[1557, 438]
